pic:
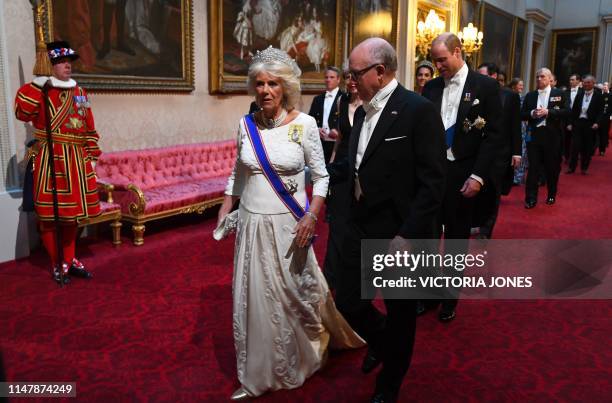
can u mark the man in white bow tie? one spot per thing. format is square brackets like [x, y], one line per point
[470, 107]
[587, 114]
[397, 170]
[545, 110]
[324, 109]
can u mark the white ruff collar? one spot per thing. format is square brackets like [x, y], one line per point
[41, 80]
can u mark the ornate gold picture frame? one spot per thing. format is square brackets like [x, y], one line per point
[310, 31]
[126, 45]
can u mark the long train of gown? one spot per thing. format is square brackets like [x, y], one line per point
[284, 315]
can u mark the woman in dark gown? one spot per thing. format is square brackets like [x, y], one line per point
[338, 197]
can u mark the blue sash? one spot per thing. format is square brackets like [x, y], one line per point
[450, 136]
[269, 172]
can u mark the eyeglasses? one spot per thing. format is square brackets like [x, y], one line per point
[356, 75]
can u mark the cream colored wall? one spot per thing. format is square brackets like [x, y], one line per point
[135, 121]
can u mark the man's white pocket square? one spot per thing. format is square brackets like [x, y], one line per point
[476, 102]
[395, 138]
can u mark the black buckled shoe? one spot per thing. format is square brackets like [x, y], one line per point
[370, 362]
[77, 269]
[58, 277]
[551, 200]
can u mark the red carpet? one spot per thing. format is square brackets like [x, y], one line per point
[155, 323]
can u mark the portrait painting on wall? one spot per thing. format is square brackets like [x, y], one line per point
[140, 45]
[573, 51]
[497, 27]
[520, 33]
[309, 31]
[373, 18]
[469, 11]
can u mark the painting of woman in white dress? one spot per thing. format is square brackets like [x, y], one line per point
[317, 46]
[266, 18]
[243, 32]
[305, 29]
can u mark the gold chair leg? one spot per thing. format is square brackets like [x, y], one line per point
[116, 227]
[138, 230]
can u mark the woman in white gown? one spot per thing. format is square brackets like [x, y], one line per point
[317, 45]
[284, 317]
[266, 18]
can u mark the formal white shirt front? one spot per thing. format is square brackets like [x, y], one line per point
[543, 96]
[573, 93]
[327, 106]
[586, 101]
[373, 109]
[451, 99]
[451, 96]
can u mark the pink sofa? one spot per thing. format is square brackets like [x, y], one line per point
[157, 183]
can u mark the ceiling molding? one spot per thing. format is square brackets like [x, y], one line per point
[537, 15]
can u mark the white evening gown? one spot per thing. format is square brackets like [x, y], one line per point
[284, 317]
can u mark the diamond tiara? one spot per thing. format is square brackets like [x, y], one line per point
[270, 55]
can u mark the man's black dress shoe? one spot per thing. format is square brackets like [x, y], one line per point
[382, 397]
[551, 200]
[446, 315]
[530, 204]
[77, 269]
[370, 362]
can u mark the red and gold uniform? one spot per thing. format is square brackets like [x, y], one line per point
[75, 147]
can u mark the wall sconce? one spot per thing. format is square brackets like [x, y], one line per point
[471, 39]
[427, 31]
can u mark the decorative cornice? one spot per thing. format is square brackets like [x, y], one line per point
[537, 15]
[607, 18]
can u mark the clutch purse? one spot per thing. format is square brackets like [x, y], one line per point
[227, 225]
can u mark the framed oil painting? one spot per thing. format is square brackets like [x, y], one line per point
[573, 51]
[370, 18]
[126, 45]
[310, 31]
[498, 28]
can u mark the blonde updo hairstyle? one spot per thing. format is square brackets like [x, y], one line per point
[290, 81]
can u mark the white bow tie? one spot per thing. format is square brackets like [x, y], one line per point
[328, 95]
[371, 106]
[455, 80]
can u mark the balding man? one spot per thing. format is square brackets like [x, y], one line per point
[470, 107]
[397, 160]
[545, 110]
